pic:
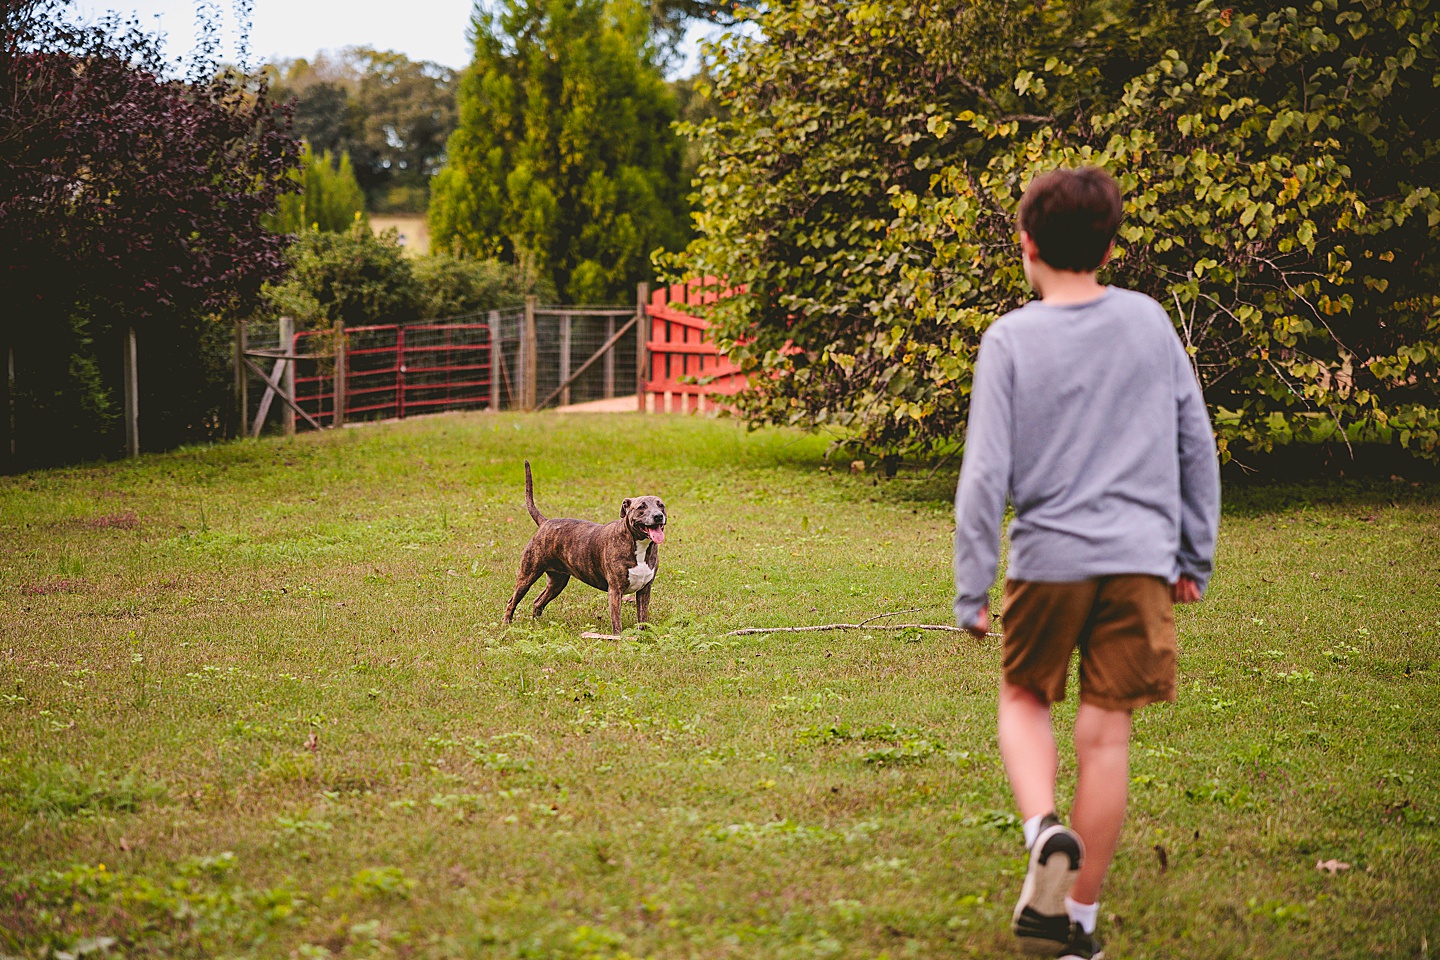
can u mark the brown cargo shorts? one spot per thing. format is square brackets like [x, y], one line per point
[1123, 625]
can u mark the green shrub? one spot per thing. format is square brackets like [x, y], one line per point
[450, 286]
[353, 277]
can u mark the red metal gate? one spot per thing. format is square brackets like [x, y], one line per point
[396, 370]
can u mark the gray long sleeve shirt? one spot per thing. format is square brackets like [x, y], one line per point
[1089, 419]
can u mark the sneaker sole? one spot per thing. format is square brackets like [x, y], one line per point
[1054, 863]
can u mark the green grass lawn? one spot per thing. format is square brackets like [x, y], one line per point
[255, 700]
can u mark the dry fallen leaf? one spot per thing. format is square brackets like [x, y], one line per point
[1331, 866]
[312, 742]
[1162, 857]
[125, 845]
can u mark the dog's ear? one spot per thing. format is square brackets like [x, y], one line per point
[624, 507]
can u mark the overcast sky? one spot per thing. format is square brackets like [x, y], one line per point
[420, 29]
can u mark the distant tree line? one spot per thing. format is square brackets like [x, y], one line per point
[388, 114]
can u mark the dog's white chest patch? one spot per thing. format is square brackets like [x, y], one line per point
[642, 573]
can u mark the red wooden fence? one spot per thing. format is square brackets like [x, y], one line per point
[685, 368]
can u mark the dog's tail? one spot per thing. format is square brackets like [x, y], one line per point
[535, 513]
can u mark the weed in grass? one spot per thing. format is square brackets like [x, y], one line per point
[77, 791]
[382, 882]
[907, 752]
[199, 913]
[1278, 912]
[1214, 791]
[779, 831]
[1001, 821]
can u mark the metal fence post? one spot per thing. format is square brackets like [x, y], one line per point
[564, 358]
[495, 360]
[610, 358]
[642, 334]
[530, 356]
[132, 395]
[400, 371]
[338, 420]
[287, 379]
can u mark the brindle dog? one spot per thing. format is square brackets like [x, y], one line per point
[619, 557]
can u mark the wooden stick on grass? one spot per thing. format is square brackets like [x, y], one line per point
[945, 628]
[821, 627]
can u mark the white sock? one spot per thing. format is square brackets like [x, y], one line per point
[1084, 914]
[1032, 830]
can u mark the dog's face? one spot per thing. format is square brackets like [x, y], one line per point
[645, 516]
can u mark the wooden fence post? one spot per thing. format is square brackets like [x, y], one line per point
[132, 394]
[287, 379]
[610, 358]
[495, 360]
[338, 420]
[242, 381]
[642, 335]
[564, 358]
[530, 356]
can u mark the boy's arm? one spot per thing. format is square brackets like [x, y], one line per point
[1199, 478]
[984, 483]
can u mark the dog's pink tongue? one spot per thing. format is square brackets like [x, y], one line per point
[657, 534]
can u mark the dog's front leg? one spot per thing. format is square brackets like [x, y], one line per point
[642, 604]
[642, 597]
[615, 608]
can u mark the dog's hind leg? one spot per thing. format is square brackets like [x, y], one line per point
[553, 586]
[523, 583]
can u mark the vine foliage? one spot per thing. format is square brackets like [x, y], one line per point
[1277, 164]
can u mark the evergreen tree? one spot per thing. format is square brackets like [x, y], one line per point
[329, 198]
[564, 158]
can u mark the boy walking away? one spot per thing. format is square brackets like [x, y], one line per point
[1086, 414]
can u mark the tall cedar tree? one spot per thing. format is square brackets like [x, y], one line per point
[329, 197]
[564, 158]
[126, 199]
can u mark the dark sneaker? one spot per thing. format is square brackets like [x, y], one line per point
[1040, 922]
[1081, 946]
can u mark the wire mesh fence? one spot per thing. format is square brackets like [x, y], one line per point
[509, 328]
[566, 341]
[468, 362]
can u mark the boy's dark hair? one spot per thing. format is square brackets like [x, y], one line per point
[1072, 215]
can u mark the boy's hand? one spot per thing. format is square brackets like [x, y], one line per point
[981, 626]
[1184, 590]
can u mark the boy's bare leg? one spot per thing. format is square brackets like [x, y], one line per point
[1102, 750]
[1027, 745]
